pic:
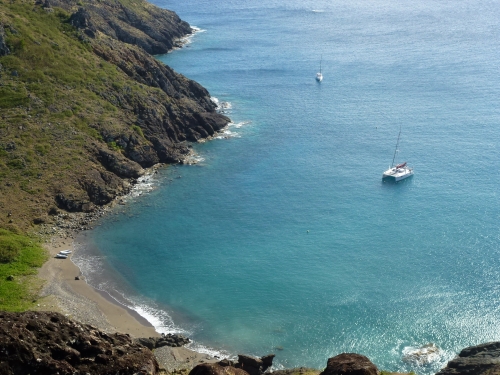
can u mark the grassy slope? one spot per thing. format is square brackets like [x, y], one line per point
[52, 109]
[20, 257]
[49, 113]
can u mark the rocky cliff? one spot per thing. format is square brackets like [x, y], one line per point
[476, 360]
[49, 343]
[84, 105]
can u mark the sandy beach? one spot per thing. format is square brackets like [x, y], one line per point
[66, 291]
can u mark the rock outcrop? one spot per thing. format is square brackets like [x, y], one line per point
[350, 364]
[477, 360]
[4, 49]
[48, 343]
[246, 365]
[94, 123]
[216, 369]
[172, 340]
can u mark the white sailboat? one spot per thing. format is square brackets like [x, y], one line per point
[319, 75]
[400, 171]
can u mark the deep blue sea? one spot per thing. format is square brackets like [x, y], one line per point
[283, 238]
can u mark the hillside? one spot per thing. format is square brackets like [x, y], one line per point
[84, 106]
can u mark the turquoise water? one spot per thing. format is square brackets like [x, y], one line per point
[283, 238]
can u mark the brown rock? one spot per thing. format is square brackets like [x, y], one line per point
[216, 369]
[49, 343]
[351, 364]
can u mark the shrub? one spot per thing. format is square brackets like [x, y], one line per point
[138, 130]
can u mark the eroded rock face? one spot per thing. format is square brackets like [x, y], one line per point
[4, 50]
[350, 364]
[49, 343]
[158, 121]
[477, 360]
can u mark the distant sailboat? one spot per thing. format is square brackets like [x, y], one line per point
[319, 75]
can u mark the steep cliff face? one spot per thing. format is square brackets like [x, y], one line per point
[85, 106]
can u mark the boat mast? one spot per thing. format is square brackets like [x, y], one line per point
[396, 150]
[320, 61]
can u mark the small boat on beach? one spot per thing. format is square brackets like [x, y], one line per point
[65, 252]
[399, 171]
[61, 256]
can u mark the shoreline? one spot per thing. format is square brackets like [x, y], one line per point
[66, 291]
[80, 301]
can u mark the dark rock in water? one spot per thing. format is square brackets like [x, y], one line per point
[4, 50]
[350, 363]
[267, 360]
[480, 359]
[216, 369]
[49, 343]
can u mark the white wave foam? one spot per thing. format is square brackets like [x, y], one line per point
[144, 184]
[226, 134]
[423, 355]
[209, 351]
[318, 11]
[188, 39]
[222, 107]
[238, 125]
[192, 159]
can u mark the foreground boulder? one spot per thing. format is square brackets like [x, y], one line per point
[477, 360]
[246, 365]
[49, 343]
[350, 364]
[216, 369]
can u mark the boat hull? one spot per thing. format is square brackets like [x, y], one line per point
[397, 174]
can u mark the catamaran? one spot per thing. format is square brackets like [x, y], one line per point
[400, 171]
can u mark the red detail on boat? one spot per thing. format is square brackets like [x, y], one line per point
[401, 165]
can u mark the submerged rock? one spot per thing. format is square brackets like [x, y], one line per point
[423, 355]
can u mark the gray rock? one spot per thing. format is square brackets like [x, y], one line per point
[480, 359]
[4, 50]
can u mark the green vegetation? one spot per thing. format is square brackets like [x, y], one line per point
[138, 130]
[57, 99]
[20, 257]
